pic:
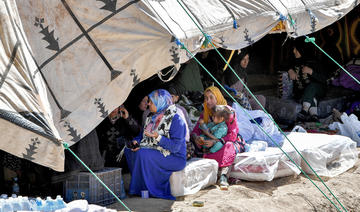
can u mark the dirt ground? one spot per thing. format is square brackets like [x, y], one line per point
[294, 193]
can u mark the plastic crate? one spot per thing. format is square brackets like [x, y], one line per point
[84, 185]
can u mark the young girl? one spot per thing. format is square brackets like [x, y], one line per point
[215, 129]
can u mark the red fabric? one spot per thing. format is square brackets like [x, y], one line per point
[225, 156]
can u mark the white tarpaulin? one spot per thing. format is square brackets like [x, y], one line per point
[66, 64]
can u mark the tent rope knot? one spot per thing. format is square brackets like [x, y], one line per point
[309, 39]
[207, 42]
[235, 24]
[66, 145]
[208, 38]
[282, 17]
[179, 43]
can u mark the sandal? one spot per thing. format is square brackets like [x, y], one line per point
[223, 182]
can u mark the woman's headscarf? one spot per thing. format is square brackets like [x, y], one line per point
[162, 100]
[230, 78]
[134, 99]
[237, 58]
[303, 48]
[220, 100]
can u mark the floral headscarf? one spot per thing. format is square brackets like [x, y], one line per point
[162, 100]
[220, 100]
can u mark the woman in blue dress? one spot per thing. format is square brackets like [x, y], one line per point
[159, 150]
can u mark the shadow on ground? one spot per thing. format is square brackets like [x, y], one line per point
[144, 205]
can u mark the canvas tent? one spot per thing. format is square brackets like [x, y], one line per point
[66, 64]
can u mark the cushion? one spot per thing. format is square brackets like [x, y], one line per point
[265, 165]
[328, 155]
[198, 174]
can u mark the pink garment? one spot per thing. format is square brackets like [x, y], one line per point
[226, 155]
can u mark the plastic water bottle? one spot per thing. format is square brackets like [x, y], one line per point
[33, 205]
[59, 202]
[4, 196]
[16, 204]
[25, 204]
[15, 187]
[39, 204]
[7, 206]
[49, 204]
[1, 204]
[122, 190]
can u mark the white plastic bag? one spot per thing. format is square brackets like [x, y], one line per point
[350, 127]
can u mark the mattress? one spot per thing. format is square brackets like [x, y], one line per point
[328, 155]
[198, 174]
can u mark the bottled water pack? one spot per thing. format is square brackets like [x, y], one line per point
[20, 203]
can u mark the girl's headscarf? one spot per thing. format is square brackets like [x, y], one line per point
[162, 100]
[220, 100]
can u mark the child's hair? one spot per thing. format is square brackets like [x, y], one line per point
[221, 111]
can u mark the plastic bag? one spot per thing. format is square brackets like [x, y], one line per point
[350, 127]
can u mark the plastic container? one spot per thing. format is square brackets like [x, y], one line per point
[49, 204]
[7, 206]
[15, 202]
[84, 185]
[39, 204]
[60, 204]
[25, 204]
[123, 193]
[145, 194]
[15, 187]
[198, 204]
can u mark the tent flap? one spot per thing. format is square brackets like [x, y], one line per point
[65, 65]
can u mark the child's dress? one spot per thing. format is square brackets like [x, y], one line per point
[217, 130]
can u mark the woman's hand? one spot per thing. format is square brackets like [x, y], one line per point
[152, 134]
[134, 144]
[293, 75]
[199, 140]
[209, 143]
[124, 113]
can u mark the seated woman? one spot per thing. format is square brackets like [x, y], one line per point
[232, 143]
[159, 150]
[240, 64]
[137, 103]
[309, 80]
[114, 132]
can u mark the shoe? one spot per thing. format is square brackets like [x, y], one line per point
[314, 118]
[223, 183]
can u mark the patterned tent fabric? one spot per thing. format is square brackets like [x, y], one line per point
[66, 64]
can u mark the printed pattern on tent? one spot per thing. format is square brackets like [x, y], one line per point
[67, 64]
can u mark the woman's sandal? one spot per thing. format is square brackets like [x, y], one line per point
[223, 183]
